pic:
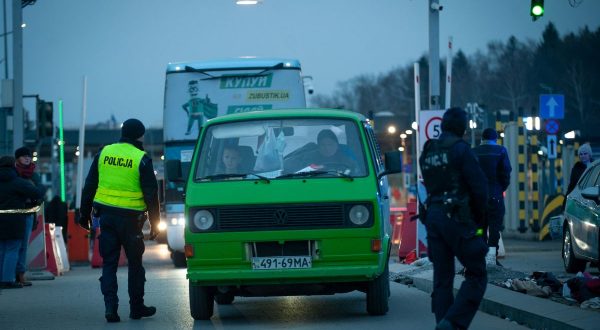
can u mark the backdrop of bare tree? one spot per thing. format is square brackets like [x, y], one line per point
[507, 75]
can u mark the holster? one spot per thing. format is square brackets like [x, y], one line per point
[459, 209]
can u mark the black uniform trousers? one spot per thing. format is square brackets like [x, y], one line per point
[495, 221]
[117, 231]
[447, 238]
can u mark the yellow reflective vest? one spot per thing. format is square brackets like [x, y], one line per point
[119, 177]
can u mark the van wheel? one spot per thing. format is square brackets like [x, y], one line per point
[224, 298]
[378, 291]
[572, 264]
[201, 302]
[179, 259]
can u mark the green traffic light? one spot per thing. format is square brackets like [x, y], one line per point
[537, 10]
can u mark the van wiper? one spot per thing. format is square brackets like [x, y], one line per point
[315, 173]
[234, 175]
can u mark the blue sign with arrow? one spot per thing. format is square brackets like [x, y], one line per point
[552, 106]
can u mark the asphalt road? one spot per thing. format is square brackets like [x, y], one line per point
[74, 301]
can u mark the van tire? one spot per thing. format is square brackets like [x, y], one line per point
[378, 291]
[179, 260]
[201, 302]
[224, 298]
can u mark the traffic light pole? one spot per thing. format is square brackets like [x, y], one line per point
[17, 74]
[434, 54]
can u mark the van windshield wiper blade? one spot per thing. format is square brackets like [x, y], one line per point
[234, 175]
[315, 173]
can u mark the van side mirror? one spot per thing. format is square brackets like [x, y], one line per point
[393, 164]
[174, 170]
[591, 193]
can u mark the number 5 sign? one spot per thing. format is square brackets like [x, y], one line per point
[431, 121]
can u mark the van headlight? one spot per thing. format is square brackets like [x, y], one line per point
[359, 215]
[203, 220]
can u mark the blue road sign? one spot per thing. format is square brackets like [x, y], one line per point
[552, 126]
[552, 106]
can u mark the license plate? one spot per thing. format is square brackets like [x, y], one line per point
[267, 263]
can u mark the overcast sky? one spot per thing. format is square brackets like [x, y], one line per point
[123, 46]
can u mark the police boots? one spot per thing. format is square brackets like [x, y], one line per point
[138, 312]
[111, 314]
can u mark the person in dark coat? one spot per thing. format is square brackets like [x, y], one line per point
[14, 193]
[585, 159]
[26, 169]
[56, 212]
[456, 198]
[494, 162]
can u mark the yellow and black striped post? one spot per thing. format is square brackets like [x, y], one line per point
[521, 174]
[558, 169]
[534, 222]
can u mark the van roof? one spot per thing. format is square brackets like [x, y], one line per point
[290, 113]
[247, 63]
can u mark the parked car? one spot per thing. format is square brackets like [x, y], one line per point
[582, 222]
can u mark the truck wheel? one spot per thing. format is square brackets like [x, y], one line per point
[378, 291]
[224, 298]
[201, 302]
[572, 264]
[179, 259]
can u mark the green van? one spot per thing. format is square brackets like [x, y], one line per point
[287, 202]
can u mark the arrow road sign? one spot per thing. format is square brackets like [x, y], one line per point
[551, 146]
[552, 106]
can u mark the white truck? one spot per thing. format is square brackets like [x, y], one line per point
[199, 91]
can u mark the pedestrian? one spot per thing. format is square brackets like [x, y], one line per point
[456, 196]
[14, 193]
[26, 169]
[56, 212]
[494, 162]
[121, 190]
[585, 159]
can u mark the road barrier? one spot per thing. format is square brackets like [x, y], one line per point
[36, 253]
[410, 229]
[53, 263]
[61, 249]
[78, 244]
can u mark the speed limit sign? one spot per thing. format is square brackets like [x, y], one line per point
[433, 128]
[431, 121]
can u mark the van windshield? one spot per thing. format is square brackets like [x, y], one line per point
[281, 149]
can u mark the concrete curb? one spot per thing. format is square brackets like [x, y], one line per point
[530, 311]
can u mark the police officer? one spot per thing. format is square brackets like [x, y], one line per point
[119, 189]
[457, 192]
[494, 162]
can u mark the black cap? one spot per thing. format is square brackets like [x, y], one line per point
[489, 134]
[23, 151]
[455, 121]
[132, 129]
[7, 161]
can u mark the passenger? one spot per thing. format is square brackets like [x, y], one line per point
[329, 154]
[26, 170]
[121, 186]
[494, 162]
[457, 195]
[14, 193]
[231, 160]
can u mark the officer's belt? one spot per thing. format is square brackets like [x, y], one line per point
[21, 211]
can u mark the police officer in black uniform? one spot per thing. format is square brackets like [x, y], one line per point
[457, 193]
[494, 162]
[121, 189]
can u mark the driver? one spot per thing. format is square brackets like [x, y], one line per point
[329, 155]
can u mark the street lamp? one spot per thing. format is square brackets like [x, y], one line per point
[247, 2]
